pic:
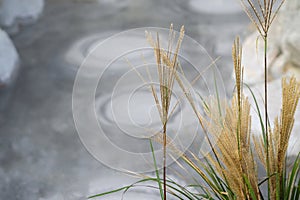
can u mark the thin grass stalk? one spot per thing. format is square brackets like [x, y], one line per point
[166, 70]
[266, 105]
[233, 139]
[262, 20]
[279, 137]
[164, 161]
[233, 156]
[198, 115]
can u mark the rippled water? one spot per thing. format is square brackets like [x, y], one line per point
[41, 154]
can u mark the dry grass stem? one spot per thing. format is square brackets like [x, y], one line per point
[167, 64]
[280, 135]
[232, 134]
[233, 147]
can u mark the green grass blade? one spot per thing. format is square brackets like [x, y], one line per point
[214, 181]
[266, 179]
[181, 190]
[125, 189]
[109, 192]
[292, 178]
[212, 172]
[258, 112]
[297, 191]
[250, 188]
[203, 101]
[218, 95]
[156, 171]
[153, 187]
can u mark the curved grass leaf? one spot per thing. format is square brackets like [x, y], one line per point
[156, 171]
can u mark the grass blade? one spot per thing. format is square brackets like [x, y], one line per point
[250, 188]
[156, 171]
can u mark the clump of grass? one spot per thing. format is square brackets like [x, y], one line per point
[233, 140]
[230, 171]
[262, 15]
[279, 139]
[167, 65]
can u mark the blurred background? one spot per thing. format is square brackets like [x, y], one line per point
[42, 44]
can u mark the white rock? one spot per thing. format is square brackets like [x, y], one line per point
[9, 59]
[19, 11]
[291, 47]
[288, 32]
[274, 108]
[253, 58]
[291, 5]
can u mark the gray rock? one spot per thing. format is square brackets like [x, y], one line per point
[16, 12]
[287, 32]
[253, 58]
[8, 59]
[9, 64]
[291, 45]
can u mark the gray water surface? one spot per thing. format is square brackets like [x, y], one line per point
[41, 155]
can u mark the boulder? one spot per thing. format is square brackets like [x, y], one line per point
[9, 59]
[9, 64]
[253, 58]
[19, 12]
[286, 34]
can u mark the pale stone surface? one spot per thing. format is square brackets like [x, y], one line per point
[8, 59]
[253, 58]
[286, 32]
[291, 47]
[14, 12]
